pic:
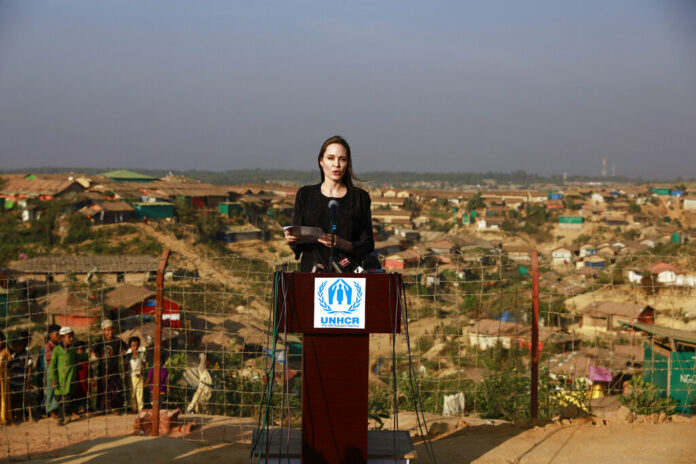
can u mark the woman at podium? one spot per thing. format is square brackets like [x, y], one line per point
[353, 239]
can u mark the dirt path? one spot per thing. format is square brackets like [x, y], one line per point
[222, 439]
[585, 443]
[188, 251]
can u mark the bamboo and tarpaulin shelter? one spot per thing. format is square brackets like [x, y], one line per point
[670, 362]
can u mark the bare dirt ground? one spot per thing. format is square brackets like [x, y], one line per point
[472, 440]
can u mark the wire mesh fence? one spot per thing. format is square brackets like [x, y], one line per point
[620, 326]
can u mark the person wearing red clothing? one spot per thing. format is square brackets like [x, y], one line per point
[82, 386]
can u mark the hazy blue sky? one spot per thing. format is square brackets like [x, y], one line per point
[544, 86]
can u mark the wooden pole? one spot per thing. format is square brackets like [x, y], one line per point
[535, 335]
[157, 367]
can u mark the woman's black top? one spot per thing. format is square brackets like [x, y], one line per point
[354, 224]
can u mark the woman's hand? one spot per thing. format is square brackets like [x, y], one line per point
[339, 243]
[290, 239]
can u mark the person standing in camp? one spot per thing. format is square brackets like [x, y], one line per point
[49, 397]
[5, 358]
[110, 352]
[204, 392]
[138, 364]
[81, 391]
[62, 373]
[21, 395]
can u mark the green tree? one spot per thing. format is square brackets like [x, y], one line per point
[535, 215]
[475, 202]
[208, 226]
[633, 208]
[79, 229]
[184, 211]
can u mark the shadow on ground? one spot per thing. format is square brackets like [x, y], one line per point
[471, 443]
[144, 450]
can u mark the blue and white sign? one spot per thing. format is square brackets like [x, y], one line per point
[339, 302]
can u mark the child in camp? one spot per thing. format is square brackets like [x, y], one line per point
[5, 357]
[138, 364]
[62, 373]
[82, 385]
[20, 378]
[164, 382]
[52, 340]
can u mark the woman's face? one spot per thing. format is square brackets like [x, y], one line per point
[334, 162]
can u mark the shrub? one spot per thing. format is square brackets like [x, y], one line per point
[379, 406]
[502, 396]
[643, 397]
[79, 229]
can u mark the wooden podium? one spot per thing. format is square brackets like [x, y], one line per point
[335, 363]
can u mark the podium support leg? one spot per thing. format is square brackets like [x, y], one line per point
[334, 398]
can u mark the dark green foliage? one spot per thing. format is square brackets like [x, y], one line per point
[535, 215]
[475, 202]
[379, 406]
[79, 229]
[18, 237]
[552, 311]
[208, 226]
[440, 226]
[643, 397]
[183, 211]
[412, 205]
[504, 396]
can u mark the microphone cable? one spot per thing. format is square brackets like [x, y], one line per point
[273, 323]
[393, 316]
[413, 382]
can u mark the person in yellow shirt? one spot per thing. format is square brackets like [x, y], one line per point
[5, 357]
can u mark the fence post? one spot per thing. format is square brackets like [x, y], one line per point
[535, 335]
[157, 367]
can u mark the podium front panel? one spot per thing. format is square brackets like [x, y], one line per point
[295, 299]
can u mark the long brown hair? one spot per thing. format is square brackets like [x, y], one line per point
[348, 176]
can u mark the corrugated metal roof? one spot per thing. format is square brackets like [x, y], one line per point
[116, 206]
[188, 190]
[495, 327]
[85, 264]
[126, 174]
[615, 308]
[685, 336]
[17, 186]
[570, 220]
[127, 295]
[69, 303]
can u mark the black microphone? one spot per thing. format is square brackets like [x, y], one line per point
[333, 219]
[333, 214]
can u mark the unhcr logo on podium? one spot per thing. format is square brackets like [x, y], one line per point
[339, 302]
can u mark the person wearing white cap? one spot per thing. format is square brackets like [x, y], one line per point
[110, 351]
[62, 373]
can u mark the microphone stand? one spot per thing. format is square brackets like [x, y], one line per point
[333, 244]
[333, 219]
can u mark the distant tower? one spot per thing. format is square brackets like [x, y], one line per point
[565, 176]
[604, 167]
[613, 169]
